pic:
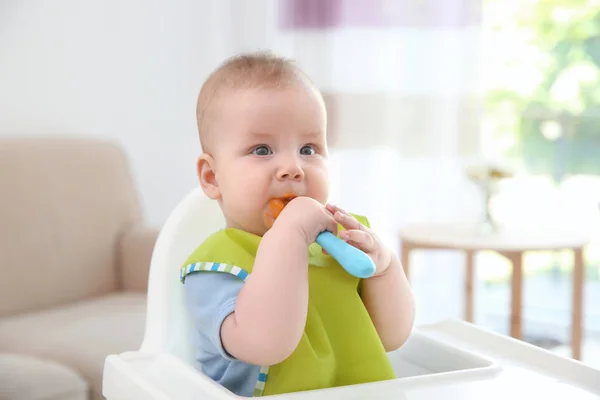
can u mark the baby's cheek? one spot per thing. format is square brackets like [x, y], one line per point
[319, 190]
[252, 193]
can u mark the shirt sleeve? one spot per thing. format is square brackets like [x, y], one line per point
[210, 298]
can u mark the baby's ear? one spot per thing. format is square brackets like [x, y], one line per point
[206, 175]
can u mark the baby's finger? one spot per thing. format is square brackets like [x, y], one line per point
[360, 239]
[347, 221]
[333, 209]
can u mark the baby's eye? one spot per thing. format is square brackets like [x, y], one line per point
[307, 150]
[262, 151]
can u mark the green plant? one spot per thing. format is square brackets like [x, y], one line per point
[546, 94]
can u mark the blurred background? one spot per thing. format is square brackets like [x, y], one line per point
[416, 91]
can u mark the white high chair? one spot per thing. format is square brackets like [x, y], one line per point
[162, 369]
[167, 324]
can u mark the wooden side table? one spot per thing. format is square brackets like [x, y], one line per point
[512, 245]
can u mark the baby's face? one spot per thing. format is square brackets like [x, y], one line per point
[270, 143]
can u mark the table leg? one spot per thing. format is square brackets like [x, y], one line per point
[405, 249]
[576, 322]
[516, 259]
[469, 255]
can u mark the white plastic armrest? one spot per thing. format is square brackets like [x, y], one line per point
[138, 375]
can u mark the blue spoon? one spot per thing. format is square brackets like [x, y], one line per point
[354, 260]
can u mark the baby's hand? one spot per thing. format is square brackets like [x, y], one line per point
[308, 217]
[363, 238]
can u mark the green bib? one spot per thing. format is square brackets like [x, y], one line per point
[340, 345]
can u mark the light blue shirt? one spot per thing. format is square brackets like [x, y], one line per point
[210, 298]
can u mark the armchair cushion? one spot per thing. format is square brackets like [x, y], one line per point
[135, 253]
[64, 204]
[80, 335]
[30, 378]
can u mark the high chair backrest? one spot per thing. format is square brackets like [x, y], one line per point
[168, 325]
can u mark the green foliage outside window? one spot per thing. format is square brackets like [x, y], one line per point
[548, 96]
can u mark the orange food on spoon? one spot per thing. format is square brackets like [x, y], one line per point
[276, 206]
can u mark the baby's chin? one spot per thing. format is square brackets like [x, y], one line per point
[255, 227]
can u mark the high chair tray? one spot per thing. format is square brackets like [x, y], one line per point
[450, 360]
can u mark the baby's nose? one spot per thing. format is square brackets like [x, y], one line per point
[298, 175]
[291, 171]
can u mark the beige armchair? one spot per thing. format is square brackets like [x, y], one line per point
[74, 259]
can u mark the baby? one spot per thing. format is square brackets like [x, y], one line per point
[273, 312]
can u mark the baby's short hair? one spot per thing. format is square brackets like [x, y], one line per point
[245, 71]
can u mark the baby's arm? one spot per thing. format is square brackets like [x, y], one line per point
[387, 295]
[270, 312]
[390, 303]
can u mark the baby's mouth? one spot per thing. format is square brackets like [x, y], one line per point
[276, 205]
